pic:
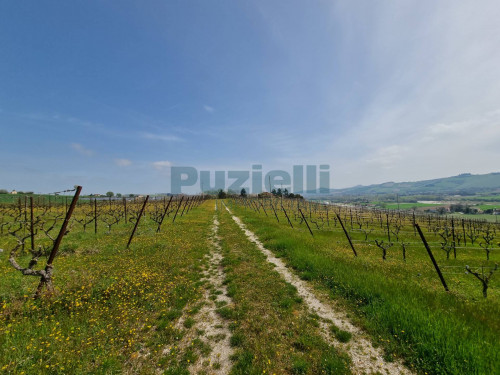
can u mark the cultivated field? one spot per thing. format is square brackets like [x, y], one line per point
[246, 286]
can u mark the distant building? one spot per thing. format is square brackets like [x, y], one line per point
[13, 192]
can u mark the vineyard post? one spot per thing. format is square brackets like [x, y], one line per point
[275, 214]
[303, 217]
[125, 208]
[263, 209]
[250, 203]
[164, 214]
[95, 215]
[25, 218]
[179, 206]
[48, 267]
[289, 222]
[463, 229]
[388, 231]
[185, 204]
[138, 219]
[256, 206]
[347, 235]
[432, 258]
[32, 229]
[191, 204]
[453, 235]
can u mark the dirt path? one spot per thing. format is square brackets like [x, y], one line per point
[365, 358]
[215, 329]
[209, 326]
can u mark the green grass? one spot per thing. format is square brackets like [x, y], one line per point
[341, 335]
[272, 330]
[401, 304]
[114, 310]
[403, 206]
[118, 311]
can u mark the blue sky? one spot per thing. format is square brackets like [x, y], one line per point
[110, 94]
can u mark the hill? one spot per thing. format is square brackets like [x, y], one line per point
[463, 184]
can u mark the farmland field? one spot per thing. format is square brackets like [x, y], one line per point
[196, 293]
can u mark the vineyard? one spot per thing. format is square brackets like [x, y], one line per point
[194, 285]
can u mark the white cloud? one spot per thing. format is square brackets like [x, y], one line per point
[82, 150]
[123, 162]
[161, 137]
[208, 108]
[160, 165]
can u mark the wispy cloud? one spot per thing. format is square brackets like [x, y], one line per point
[162, 137]
[123, 162]
[208, 108]
[82, 150]
[163, 164]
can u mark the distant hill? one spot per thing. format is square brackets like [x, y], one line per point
[463, 184]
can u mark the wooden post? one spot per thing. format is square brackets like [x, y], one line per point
[289, 222]
[164, 214]
[453, 235]
[275, 214]
[125, 208]
[185, 204]
[387, 223]
[179, 206]
[463, 229]
[303, 217]
[32, 229]
[347, 235]
[57, 243]
[263, 209]
[138, 219]
[95, 215]
[432, 258]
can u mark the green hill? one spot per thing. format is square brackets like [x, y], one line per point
[463, 184]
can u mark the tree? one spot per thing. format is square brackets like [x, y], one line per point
[118, 195]
[221, 194]
[3, 191]
[243, 192]
[110, 194]
[273, 192]
[286, 193]
[279, 193]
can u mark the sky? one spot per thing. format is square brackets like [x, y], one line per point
[111, 94]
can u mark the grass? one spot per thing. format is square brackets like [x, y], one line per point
[272, 331]
[114, 310]
[119, 311]
[401, 304]
[341, 335]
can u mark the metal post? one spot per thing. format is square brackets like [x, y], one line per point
[432, 258]
[347, 235]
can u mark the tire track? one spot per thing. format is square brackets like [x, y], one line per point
[365, 358]
[215, 329]
[209, 327]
